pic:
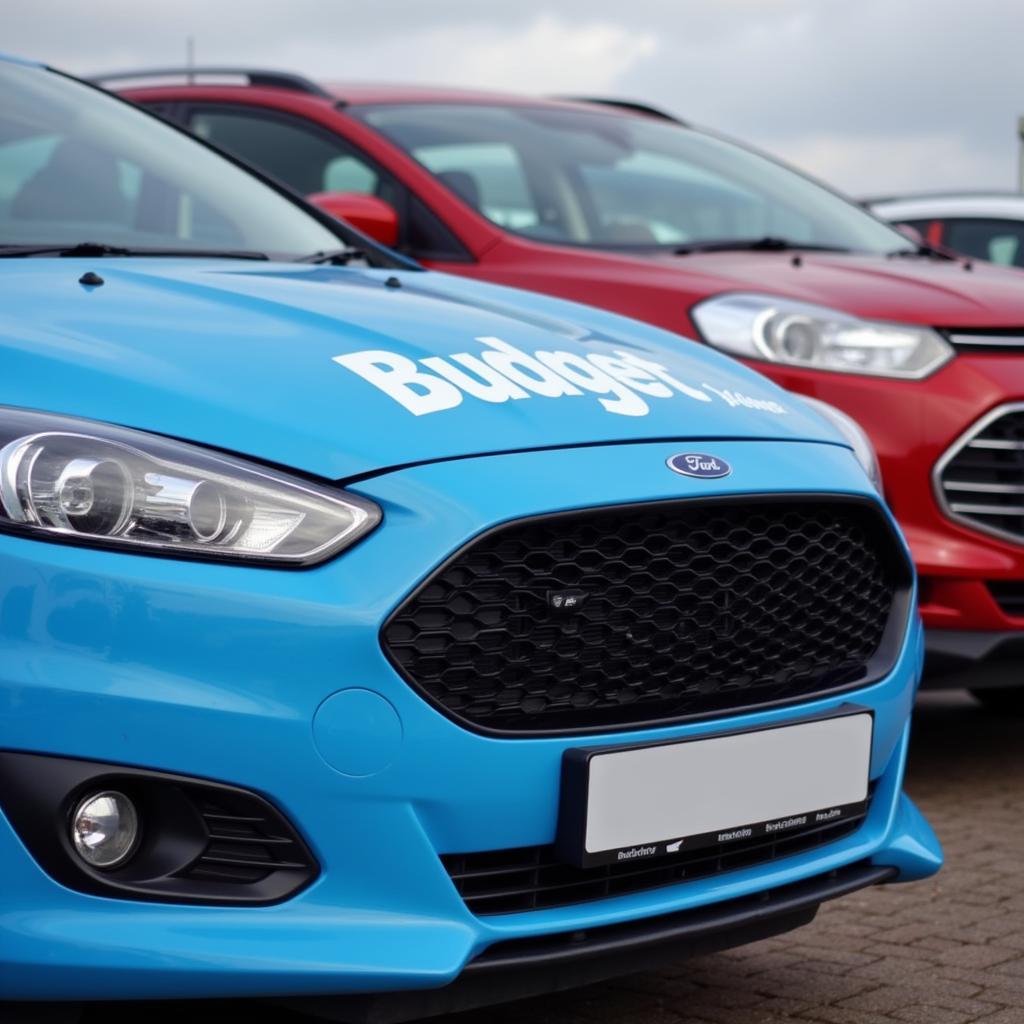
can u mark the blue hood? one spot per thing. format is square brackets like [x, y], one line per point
[337, 372]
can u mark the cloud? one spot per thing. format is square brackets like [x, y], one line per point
[546, 54]
[875, 95]
[867, 165]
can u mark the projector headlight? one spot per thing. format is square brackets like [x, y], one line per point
[799, 334]
[88, 483]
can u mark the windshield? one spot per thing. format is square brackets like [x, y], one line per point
[605, 180]
[79, 166]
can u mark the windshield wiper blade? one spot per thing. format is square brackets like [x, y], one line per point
[766, 243]
[922, 251]
[335, 257]
[101, 249]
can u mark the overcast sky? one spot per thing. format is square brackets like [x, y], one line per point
[875, 96]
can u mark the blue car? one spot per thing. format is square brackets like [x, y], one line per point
[390, 643]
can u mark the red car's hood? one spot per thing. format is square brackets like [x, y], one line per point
[941, 293]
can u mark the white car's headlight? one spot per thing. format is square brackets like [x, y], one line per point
[800, 334]
[855, 436]
[84, 482]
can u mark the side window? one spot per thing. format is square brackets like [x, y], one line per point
[309, 159]
[303, 158]
[1000, 241]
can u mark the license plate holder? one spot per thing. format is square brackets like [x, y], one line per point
[644, 801]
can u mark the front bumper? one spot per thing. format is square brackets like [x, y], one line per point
[912, 425]
[974, 659]
[218, 672]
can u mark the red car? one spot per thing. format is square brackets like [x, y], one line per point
[624, 207]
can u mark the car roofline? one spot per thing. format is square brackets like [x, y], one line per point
[229, 76]
[254, 76]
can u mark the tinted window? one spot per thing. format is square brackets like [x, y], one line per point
[304, 158]
[1001, 241]
[604, 179]
[310, 159]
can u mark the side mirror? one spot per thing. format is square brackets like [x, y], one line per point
[368, 214]
[908, 231]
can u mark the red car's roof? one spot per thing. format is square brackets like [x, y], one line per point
[380, 92]
[148, 82]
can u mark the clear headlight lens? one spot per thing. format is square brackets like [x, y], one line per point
[855, 436]
[799, 334]
[81, 481]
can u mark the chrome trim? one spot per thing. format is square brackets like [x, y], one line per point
[964, 485]
[956, 511]
[993, 445]
[987, 340]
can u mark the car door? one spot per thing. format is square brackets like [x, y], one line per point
[308, 158]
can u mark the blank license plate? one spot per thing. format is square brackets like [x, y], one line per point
[630, 803]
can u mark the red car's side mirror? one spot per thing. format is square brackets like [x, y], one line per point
[371, 215]
[909, 231]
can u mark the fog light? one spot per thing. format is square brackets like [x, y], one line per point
[104, 829]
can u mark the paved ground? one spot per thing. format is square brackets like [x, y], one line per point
[948, 951]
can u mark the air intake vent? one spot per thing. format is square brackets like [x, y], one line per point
[246, 842]
[643, 614]
[980, 480]
[531, 878]
[1009, 595]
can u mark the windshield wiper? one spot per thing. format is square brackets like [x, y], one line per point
[922, 251]
[336, 257]
[101, 249]
[766, 243]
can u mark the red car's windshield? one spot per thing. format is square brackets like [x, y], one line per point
[606, 180]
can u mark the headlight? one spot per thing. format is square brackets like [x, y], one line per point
[87, 483]
[855, 436]
[783, 331]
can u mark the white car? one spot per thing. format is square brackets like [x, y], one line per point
[985, 225]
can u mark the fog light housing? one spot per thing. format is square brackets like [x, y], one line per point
[105, 829]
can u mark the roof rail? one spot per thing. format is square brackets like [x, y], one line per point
[635, 106]
[253, 76]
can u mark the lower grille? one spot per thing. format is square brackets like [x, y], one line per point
[1009, 595]
[980, 480]
[530, 877]
[644, 614]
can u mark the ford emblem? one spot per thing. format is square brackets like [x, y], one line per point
[707, 467]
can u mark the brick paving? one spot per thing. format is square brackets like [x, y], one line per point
[945, 951]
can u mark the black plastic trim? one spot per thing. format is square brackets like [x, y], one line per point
[182, 855]
[520, 968]
[880, 665]
[973, 659]
[255, 76]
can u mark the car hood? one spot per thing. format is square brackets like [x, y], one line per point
[936, 292]
[341, 372]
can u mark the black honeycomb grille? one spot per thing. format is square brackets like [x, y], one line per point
[680, 609]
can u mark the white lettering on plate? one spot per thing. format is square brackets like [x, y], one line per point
[622, 382]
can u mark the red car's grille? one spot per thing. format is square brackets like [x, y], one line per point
[980, 480]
